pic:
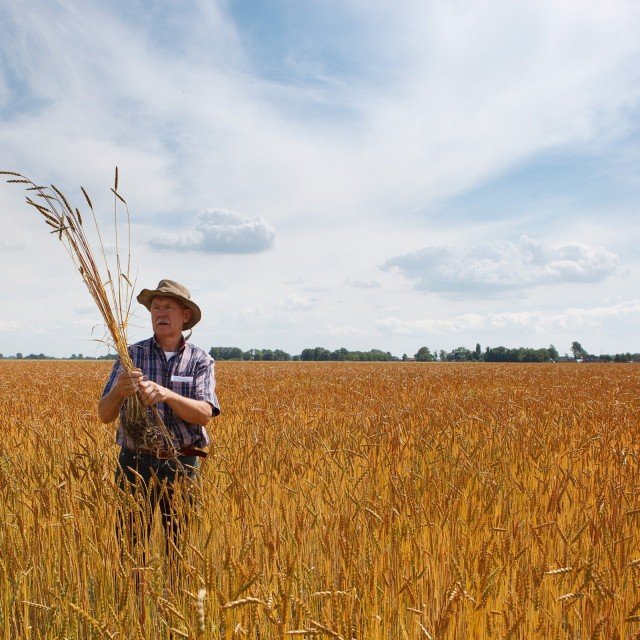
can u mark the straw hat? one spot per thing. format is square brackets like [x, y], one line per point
[171, 289]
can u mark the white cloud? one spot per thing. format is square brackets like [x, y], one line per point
[221, 231]
[363, 284]
[91, 326]
[9, 325]
[294, 302]
[503, 266]
[344, 330]
[86, 308]
[536, 321]
[469, 97]
[258, 310]
[9, 245]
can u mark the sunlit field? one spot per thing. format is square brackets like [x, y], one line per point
[339, 500]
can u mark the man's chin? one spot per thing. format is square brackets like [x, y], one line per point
[164, 331]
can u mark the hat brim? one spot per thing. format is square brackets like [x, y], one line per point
[147, 295]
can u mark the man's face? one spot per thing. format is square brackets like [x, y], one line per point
[168, 316]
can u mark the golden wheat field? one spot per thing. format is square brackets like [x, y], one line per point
[396, 500]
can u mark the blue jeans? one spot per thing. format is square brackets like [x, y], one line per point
[153, 483]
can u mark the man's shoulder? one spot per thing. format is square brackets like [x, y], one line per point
[143, 344]
[198, 352]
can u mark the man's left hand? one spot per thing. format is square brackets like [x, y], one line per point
[190, 410]
[152, 393]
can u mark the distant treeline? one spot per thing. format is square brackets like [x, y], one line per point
[424, 354]
[42, 356]
[316, 354]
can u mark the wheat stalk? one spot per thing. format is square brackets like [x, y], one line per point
[112, 296]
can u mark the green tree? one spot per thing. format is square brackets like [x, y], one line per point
[340, 354]
[579, 353]
[500, 354]
[460, 354]
[226, 353]
[424, 355]
[319, 353]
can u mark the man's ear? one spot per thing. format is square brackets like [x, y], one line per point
[188, 314]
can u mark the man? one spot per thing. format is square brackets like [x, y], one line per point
[177, 379]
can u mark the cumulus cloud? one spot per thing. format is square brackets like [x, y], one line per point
[503, 266]
[536, 321]
[221, 231]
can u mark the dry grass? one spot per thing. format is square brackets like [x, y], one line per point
[339, 501]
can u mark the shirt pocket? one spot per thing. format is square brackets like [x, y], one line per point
[183, 386]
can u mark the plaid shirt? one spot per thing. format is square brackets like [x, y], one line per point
[189, 373]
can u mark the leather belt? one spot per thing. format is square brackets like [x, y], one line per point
[168, 454]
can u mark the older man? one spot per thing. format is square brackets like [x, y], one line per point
[177, 379]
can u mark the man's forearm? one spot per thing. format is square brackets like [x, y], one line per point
[190, 410]
[109, 406]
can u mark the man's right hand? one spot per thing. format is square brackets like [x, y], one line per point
[127, 384]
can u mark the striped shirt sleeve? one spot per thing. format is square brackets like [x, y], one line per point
[206, 383]
[112, 377]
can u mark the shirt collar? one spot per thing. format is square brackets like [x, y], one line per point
[180, 348]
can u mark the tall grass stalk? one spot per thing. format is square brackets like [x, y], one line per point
[111, 288]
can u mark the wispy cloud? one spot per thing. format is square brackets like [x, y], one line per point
[363, 284]
[294, 302]
[454, 117]
[9, 245]
[86, 308]
[536, 321]
[503, 266]
[221, 231]
[257, 310]
[344, 330]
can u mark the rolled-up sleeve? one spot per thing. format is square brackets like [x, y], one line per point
[112, 378]
[205, 383]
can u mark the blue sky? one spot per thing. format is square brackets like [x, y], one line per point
[359, 174]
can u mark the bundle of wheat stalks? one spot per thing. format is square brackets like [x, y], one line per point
[112, 295]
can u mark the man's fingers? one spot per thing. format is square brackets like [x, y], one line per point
[143, 387]
[133, 378]
[148, 396]
[146, 391]
[129, 382]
